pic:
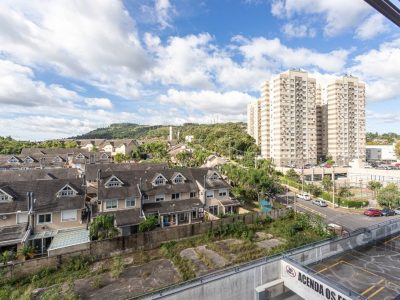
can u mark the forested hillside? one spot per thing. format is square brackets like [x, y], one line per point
[122, 130]
[11, 146]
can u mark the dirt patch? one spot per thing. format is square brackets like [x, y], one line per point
[269, 244]
[217, 260]
[191, 254]
[133, 281]
[225, 247]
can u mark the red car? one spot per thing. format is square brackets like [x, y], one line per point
[373, 212]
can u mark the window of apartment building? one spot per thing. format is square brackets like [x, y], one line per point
[160, 198]
[209, 194]
[66, 191]
[160, 180]
[213, 210]
[192, 194]
[44, 218]
[111, 204]
[68, 215]
[145, 197]
[178, 179]
[130, 202]
[22, 218]
[175, 196]
[222, 193]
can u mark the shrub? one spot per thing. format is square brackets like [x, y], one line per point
[117, 266]
[102, 228]
[149, 224]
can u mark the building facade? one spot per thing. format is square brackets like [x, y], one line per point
[346, 119]
[303, 121]
[254, 120]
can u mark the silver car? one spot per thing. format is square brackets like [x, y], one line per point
[320, 202]
[397, 211]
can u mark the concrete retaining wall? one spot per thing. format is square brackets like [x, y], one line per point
[125, 244]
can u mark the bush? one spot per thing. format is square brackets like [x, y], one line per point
[117, 266]
[352, 203]
[149, 224]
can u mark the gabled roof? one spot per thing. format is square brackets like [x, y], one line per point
[14, 158]
[8, 192]
[176, 174]
[158, 175]
[70, 186]
[113, 177]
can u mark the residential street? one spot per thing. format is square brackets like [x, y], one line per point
[350, 220]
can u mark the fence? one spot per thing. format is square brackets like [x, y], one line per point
[125, 244]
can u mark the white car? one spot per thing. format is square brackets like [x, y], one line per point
[397, 211]
[304, 196]
[320, 202]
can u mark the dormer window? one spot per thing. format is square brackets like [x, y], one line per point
[80, 156]
[179, 179]
[67, 191]
[4, 197]
[113, 182]
[28, 160]
[57, 159]
[13, 159]
[214, 176]
[160, 180]
[104, 156]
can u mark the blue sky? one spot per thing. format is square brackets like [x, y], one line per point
[67, 67]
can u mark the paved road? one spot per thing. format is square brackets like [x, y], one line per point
[351, 221]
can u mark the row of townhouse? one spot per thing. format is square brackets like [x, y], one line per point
[52, 210]
[122, 146]
[35, 158]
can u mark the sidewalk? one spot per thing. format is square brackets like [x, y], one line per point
[330, 204]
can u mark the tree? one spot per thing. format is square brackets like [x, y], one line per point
[149, 224]
[7, 256]
[397, 149]
[344, 191]
[291, 174]
[327, 183]
[374, 186]
[389, 196]
[102, 228]
[183, 158]
[26, 252]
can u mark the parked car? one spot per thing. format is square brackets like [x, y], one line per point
[320, 202]
[373, 212]
[388, 212]
[304, 196]
[397, 211]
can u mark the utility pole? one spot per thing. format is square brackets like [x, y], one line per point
[302, 179]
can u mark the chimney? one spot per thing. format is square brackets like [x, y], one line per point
[98, 174]
[170, 133]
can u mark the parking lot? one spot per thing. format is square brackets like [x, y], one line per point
[373, 272]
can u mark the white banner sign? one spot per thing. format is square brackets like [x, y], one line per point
[307, 286]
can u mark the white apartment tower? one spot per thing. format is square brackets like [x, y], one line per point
[265, 136]
[254, 120]
[298, 121]
[346, 119]
[293, 129]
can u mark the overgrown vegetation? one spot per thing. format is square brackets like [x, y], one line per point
[250, 184]
[374, 138]
[11, 146]
[389, 196]
[149, 224]
[102, 227]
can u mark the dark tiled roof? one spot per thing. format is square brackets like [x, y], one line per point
[92, 169]
[126, 217]
[38, 174]
[200, 174]
[45, 193]
[174, 206]
[128, 189]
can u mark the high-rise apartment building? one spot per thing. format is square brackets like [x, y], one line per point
[254, 120]
[298, 121]
[346, 119]
[293, 118]
[265, 135]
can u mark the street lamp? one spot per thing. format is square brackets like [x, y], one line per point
[333, 186]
